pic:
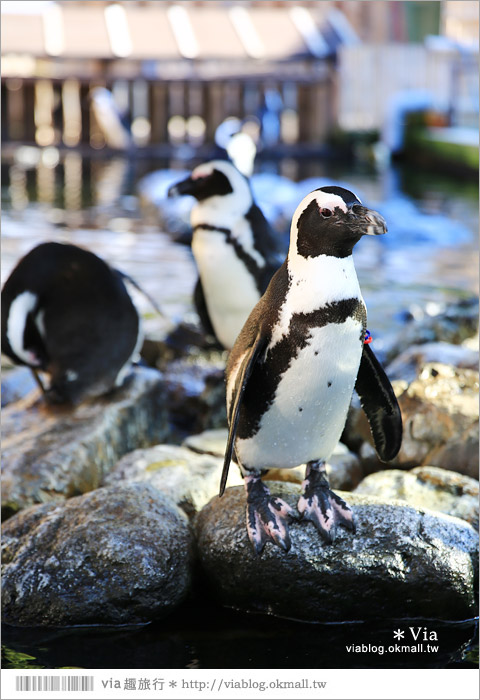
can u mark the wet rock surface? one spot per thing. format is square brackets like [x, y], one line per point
[401, 562]
[427, 487]
[51, 453]
[116, 556]
[190, 480]
[440, 422]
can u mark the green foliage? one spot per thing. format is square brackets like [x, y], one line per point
[16, 659]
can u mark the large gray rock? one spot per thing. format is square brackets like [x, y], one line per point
[343, 467]
[427, 487]
[440, 414]
[440, 422]
[400, 563]
[113, 556]
[51, 453]
[190, 480]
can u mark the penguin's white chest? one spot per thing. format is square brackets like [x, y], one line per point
[308, 413]
[230, 291]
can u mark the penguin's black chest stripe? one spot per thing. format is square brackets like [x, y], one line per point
[266, 376]
[209, 227]
[240, 252]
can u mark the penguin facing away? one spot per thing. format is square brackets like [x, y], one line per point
[292, 371]
[235, 249]
[67, 313]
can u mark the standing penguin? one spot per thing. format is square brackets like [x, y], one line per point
[66, 312]
[292, 372]
[234, 247]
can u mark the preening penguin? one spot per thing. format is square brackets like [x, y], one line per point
[67, 313]
[234, 247]
[292, 371]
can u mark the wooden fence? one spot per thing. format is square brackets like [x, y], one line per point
[60, 112]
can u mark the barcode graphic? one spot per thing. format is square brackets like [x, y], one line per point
[52, 683]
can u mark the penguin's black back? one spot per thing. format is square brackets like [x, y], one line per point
[90, 323]
[268, 245]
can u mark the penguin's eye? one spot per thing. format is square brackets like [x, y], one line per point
[326, 212]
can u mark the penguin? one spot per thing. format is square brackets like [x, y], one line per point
[292, 371]
[235, 249]
[69, 314]
[114, 124]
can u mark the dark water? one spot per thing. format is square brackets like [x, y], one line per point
[428, 257]
[202, 635]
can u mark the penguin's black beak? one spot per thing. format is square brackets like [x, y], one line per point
[188, 186]
[367, 221]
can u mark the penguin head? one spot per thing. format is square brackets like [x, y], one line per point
[217, 181]
[330, 221]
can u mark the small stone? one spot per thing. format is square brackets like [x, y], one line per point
[453, 323]
[472, 343]
[51, 453]
[427, 487]
[407, 365]
[17, 384]
[114, 556]
[190, 480]
[211, 442]
[401, 562]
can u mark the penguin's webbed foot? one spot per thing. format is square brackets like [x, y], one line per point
[321, 505]
[267, 516]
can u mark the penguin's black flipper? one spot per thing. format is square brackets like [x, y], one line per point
[380, 405]
[201, 309]
[243, 376]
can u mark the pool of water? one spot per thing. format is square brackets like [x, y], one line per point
[428, 257]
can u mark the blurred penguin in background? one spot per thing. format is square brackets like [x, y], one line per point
[113, 123]
[235, 249]
[67, 313]
[235, 138]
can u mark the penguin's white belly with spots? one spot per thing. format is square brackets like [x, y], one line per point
[308, 413]
[230, 291]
